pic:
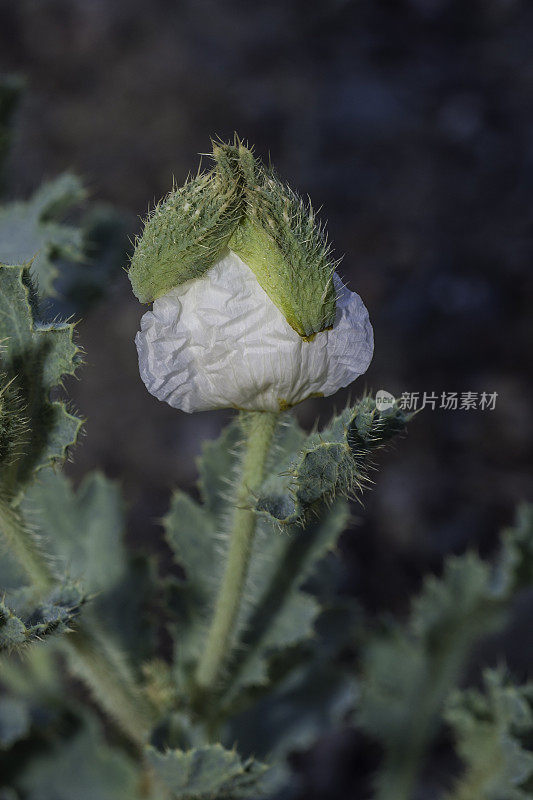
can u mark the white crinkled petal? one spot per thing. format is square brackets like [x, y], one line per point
[219, 341]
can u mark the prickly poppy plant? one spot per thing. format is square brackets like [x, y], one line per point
[250, 313]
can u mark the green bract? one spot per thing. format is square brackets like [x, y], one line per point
[240, 205]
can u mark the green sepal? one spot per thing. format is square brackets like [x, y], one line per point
[242, 206]
[287, 250]
[186, 233]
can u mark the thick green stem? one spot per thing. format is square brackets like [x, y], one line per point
[260, 427]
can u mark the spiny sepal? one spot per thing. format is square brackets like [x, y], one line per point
[242, 205]
[186, 233]
[287, 249]
[332, 463]
[24, 621]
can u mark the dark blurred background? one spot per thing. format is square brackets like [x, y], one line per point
[411, 123]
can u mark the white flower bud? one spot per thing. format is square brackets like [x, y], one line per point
[219, 341]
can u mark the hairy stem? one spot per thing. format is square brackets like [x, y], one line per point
[260, 427]
[104, 669]
[93, 658]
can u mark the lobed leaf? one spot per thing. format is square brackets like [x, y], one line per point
[493, 730]
[206, 773]
[84, 531]
[34, 359]
[407, 672]
[30, 231]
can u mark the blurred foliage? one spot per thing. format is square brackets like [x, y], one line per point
[493, 730]
[110, 710]
[23, 622]
[30, 232]
[408, 672]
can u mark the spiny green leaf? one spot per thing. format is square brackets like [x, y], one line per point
[191, 533]
[23, 623]
[407, 672]
[332, 463]
[493, 729]
[35, 358]
[84, 531]
[306, 701]
[13, 424]
[217, 470]
[84, 528]
[516, 563]
[207, 773]
[197, 536]
[31, 232]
